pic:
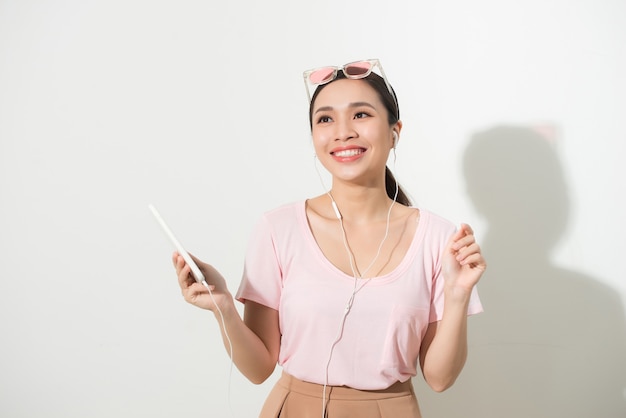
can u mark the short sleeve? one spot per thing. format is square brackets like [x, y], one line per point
[437, 299]
[262, 274]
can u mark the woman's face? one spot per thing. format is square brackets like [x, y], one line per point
[351, 132]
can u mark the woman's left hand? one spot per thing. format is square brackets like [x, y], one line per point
[463, 263]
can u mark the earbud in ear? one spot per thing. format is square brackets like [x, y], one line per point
[395, 139]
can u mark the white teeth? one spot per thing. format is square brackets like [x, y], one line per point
[348, 153]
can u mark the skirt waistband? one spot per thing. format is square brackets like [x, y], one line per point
[293, 384]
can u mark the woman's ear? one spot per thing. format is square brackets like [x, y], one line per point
[396, 133]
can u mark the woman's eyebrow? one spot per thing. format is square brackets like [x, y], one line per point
[351, 105]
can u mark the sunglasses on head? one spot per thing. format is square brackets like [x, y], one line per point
[354, 71]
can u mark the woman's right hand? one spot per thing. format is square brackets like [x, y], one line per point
[196, 293]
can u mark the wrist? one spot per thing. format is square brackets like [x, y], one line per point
[226, 305]
[457, 295]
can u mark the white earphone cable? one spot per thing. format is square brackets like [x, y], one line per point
[353, 267]
[230, 344]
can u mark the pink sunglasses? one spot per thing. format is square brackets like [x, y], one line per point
[354, 71]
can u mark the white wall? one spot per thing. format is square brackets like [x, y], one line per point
[199, 108]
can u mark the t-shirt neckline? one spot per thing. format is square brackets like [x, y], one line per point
[416, 242]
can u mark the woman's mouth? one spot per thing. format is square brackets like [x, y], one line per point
[347, 155]
[348, 152]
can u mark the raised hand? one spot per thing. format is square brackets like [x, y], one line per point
[463, 263]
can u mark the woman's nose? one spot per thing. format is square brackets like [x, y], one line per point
[345, 131]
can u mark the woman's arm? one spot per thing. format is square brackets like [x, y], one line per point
[255, 339]
[444, 348]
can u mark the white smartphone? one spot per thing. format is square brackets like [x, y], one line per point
[195, 271]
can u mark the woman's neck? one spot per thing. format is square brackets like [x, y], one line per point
[360, 204]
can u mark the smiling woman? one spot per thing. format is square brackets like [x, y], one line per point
[351, 290]
[362, 70]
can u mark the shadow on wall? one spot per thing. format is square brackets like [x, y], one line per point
[551, 342]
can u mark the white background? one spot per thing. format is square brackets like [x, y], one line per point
[199, 108]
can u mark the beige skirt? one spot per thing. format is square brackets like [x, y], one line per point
[294, 398]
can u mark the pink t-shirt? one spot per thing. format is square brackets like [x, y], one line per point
[287, 271]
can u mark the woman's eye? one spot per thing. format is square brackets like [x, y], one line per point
[361, 115]
[323, 119]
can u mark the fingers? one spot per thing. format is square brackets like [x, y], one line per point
[463, 236]
[190, 289]
[174, 258]
[469, 255]
[463, 242]
[194, 290]
[466, 249]
[183, 271]
[467, 229]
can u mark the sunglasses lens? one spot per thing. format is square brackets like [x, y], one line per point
[322, 75]
[358, 69]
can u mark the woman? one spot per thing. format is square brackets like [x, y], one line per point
[346, 290]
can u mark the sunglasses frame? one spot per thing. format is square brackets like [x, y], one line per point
[335, 70]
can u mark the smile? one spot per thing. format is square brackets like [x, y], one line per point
[348, 152]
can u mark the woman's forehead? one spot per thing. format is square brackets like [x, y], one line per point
[346, 91]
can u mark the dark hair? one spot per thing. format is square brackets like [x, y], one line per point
[393, 115]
